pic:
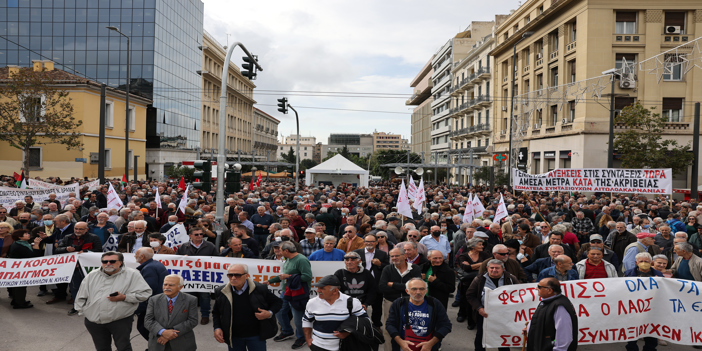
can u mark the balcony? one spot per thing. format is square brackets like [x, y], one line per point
[467, 150]
[483, 73]
[553, 55]
[478, 128]
[526, 69]
[484, 100]
[570, 47]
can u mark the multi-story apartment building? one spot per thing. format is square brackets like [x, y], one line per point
[240, 128]
[265, 135]
[386, 141]
[405, 145]
[165, 37]
[422, 113]
[472, 103]
[567, 41]
[360, 145]
[307, 146]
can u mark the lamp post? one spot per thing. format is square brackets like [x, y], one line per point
[511, 105]
[126, 108]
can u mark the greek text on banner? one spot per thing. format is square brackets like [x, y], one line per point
[37, 271]
[205, 273]
[639, 181]
[609, 310]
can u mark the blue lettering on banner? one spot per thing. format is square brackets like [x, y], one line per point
[199, 276]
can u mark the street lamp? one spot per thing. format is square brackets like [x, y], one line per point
[511, 105]
[126, 108]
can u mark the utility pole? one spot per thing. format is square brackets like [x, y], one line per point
[511, 108]
[696, 152]
[101, 140]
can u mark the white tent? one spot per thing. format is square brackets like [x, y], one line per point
[337, 170]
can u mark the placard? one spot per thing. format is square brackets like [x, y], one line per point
[637, 181]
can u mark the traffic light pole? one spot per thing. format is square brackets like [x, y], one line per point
[297, 151]
[221, 145]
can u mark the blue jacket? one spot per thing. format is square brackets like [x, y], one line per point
[154, 272]
[634, 272]
[536, 267]
[551, 273]
[677, 225]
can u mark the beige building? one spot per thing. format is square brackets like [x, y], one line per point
[308, 146]
[576, 40]
[386, 141]
[265, 135]
[421, 115]
[239, 102]
[54, 160]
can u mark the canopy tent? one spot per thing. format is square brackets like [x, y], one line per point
[337, 170]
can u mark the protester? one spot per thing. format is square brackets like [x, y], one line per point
[171, 317]
[157, 243]
[500, 252]
[687, 265]
[374, 261]
[356, 280]
[21, 248]
[554, 325]
[393, 280]
[350, 241]
[645, 243]
[236, 249]
[153, 272]
[594, 266]
[79, 241]
[437, 241]
[199, 247]
[562, 270]
[328, 253]
[439, 276]
[310, 243]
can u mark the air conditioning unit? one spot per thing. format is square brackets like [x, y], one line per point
[504, 108]
[537, 125]
[627, 81]
[503, 132]
[564, 121]
[672, 30]
[538, 55]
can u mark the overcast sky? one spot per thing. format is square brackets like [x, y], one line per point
[356, 47]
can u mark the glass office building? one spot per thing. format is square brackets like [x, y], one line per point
[165, 38]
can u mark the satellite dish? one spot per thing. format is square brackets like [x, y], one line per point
[419, 171]
[398, 170]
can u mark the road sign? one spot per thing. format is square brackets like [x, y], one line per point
[84, 160]
[499, 157]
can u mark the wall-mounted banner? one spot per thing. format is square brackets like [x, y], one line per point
[44, 270]
[205, 273]
[638, 181]
[8, 196]
[609, 310]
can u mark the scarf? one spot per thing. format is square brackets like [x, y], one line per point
[491, 285]
[25, 244]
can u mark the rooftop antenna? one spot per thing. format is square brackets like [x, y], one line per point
[228, 34]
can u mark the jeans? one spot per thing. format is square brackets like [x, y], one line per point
[204, 300]
[650, 344]
[103, 334]
[282, 317]
[251, 343]
[261, 238]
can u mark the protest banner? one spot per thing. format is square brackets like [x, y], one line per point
[111, 243]
[113, 200]
[8, 196]
[45, 270]
[636, 181]
[609, 310]
[205, 273]
[176, 236]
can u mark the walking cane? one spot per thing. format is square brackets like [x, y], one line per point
[524, 340]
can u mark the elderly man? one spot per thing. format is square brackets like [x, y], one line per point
[436, 241]
[328, 253]
[374, 261]
[645, 243]
[236, 249]
[261, 221]
[153, 272]
[414, 236]
[108, 298]
[392, 228]
[643, 269]
[325, 313]
[501, 252]
[554, 238]
[439, 276]
[562, 270]
[476, 298]
[413, 256]
[582, 227]
[663, 239]
[244, 310]
[164, 320]
[428, 326]
[687, 265]
[554, 325]
[79, 241]
[199, 247]
[356, 280]
[172, 221]
[350, 241]
[103, 228]
[392, 283]
[594, 267]
[619, 239]
[132, 242]
[310, 243]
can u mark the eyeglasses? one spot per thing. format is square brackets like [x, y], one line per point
[502, 253]
[198, 234]
[596, 241]
[348, 231]
[542, 287]
[235, 275]
[381, 236]
[544, 226]
[108, 261]
[369, 242]
[350, 258]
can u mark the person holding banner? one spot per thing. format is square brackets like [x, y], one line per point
[21, 248]
[79, 241]
[5, 238]
[199, 247]
[153, 272]
[554, 325]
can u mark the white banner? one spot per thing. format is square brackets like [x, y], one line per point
[44, 270]
[94, 185]
[205, 273]
[113, 200]
[635, 181]
[8, 196]
[609, 310]
[38, 184]
[176, 236]
[111, 243]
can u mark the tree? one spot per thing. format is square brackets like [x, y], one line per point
[382, 157]
[345, 152]
[641, 144]
[307, 164]
[34, 112]
[180, 171]
[482, 174]
[290, 156]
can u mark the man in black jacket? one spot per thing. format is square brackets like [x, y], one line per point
[79, 241]
[375, 261]
[439, 276]
[392, 283]
[254, 305]
[199, 247]
[554, 238]
[543, 331]
[356, 281]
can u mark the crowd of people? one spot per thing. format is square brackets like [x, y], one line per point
[400, 273]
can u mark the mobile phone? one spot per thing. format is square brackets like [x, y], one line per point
[114, 294]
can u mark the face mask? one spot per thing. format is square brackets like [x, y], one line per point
[491, 217]
[171, 223]
[85, 199]
[49, 223]
[45, 208]
[644, 266]
[647, 226]
[520, 242]
[155, 244]
[278, 239]
[24, 221]
[284, 238]
[435, 233]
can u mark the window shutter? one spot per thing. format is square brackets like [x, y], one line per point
[629, 57]
[622, 102]
[672, 103]
[623, 16]
[675, 19]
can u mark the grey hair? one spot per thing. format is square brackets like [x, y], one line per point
[659, 257]
[559, 228]
[473, 242]
[414, 245]
[554, 246]
[643, 255]
[498, 247]
[495, 261]
[426, 286]
[323, 210]
[245, 267]
[293, 212]
[288, 246]
[329, 238]
[685, 246]
[181, 281]
[379, 224]
[402, 251]
[309, 215]
[681, 235]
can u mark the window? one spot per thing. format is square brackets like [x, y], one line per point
[305, 154]
[626, 22]
[131, 159]
[553, 41]
[674, 19]
[539, 82]
[554, 114]
[35, 158]
[554, 76]
[487, 142]
[525, 57]
[541, 9]
[527, 19]
[573, 31]
[571, 64]
[537, 166]
[34, 108]
[571, 115]
[479, 118]
[630, 60]
[132, 122]
[539, 118]
[109, 114]
[487, 117]
[621, 102]
[672, 108]
[108, 159]
[673, 64]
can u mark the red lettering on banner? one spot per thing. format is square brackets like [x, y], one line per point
[71, 258]
[260, 269]
[583, 311]
[3, 264]
[16, 264]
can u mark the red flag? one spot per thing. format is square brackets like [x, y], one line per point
[124, 179]
[181, 185]
[17, 176]
[251, 186]
[258, 181]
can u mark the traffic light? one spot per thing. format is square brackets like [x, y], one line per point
[204, 173]
[249, 67]
[233, 184]
[283, 105]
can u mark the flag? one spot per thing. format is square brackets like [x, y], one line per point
[403, 206]
[124, 180]
[113, 200]
[252, 183]
[158, 201]
[412, 189]
[181, 185]
[16, 176]
[478, 207]
[258, 181]
[501, 210]
[183, 200]
[468, 214]
[21, 182]
[420, 197]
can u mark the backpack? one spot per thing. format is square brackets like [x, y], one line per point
[363, 335]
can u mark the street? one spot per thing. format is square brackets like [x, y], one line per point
[48, 327]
